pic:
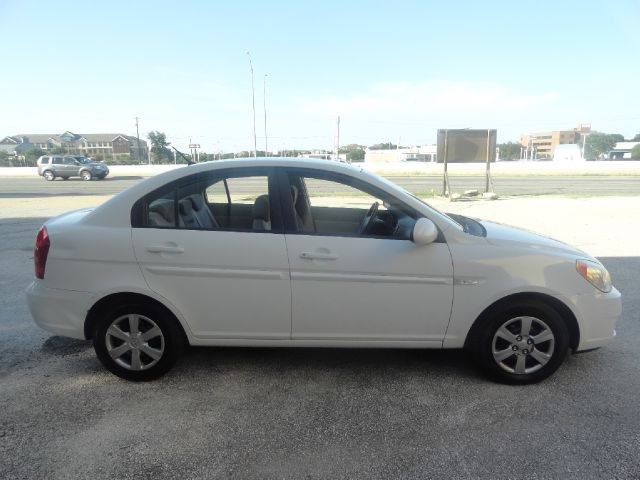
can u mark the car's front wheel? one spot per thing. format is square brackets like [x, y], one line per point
[49, 176]
[137, 342]
[522, 343]
[86, 175]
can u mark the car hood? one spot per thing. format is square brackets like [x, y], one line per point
[505, 235]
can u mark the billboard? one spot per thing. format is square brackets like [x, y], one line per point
[466, 145]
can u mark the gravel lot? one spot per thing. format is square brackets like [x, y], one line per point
[291, 413]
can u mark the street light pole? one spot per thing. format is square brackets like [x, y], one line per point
[264, 102]
[253, 104]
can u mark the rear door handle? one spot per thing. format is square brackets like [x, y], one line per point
[318, 256]
[165, 249]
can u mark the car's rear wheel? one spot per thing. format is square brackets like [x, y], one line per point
[85, 175]
[137, 342]
[522, 343]
[49, 176]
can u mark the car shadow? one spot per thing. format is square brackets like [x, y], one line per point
[336, 361]
[63, 346]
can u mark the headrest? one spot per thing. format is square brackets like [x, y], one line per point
[261, 208]
[185, 206]
[165, 209]
[198, 202]
[294, 194]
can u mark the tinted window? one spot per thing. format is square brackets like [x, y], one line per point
[57, 160]
[203, 204]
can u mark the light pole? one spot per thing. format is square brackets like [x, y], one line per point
[253, 104]
[264, 103]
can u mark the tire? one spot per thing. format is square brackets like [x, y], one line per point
[138, 358]
[521, 343]
[86, 175]
[49, 176]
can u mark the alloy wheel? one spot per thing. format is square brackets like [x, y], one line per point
[523, 345]
[134, 342]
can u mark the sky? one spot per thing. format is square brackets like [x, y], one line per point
[392, 71]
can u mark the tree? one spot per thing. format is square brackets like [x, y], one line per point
[636, 138]
[599, 144]
[354, 152]
[355, 155]
[510, 151]
[31, 155]
[58, 151]
[4, 159]
[160, 152]
[635, 152]
[383, 146]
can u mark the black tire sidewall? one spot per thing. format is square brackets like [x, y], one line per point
[533, 309]
[173, 342]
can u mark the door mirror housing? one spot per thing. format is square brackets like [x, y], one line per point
[424, 232]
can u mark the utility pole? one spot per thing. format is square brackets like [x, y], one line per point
[138, 137]
[338, 141]
[253, 104]
[264, 101]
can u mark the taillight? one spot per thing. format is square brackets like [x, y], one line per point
[40, 252]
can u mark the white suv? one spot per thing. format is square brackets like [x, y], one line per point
[294, 252]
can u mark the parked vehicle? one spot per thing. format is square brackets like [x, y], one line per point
[66, 166]
[296, 252]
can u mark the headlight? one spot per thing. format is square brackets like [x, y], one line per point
[595, 274]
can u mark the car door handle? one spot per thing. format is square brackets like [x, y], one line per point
[165, 249]
[318, 256]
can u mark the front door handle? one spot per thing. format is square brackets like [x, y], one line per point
[165, 249]
[318, 256]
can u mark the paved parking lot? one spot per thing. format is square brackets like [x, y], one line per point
[291, 413]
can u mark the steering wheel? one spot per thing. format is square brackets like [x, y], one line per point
[368, 219]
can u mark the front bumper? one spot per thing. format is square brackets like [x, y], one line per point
[597, 315]
[62, 312]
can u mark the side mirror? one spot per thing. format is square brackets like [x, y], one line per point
[424, 232]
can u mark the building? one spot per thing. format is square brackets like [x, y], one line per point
[413, 154]
[622, 151]
[97, 145]
[542, 145]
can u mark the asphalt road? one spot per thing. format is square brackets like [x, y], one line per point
[305, 413]
[516, 185]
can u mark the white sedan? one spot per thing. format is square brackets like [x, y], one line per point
[293, 252]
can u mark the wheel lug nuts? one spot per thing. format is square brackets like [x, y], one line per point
[514, 348]
[526, 352]
[529, 341]
[519, 338]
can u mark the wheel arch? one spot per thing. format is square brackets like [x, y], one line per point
[559, 306]
[106, 302]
